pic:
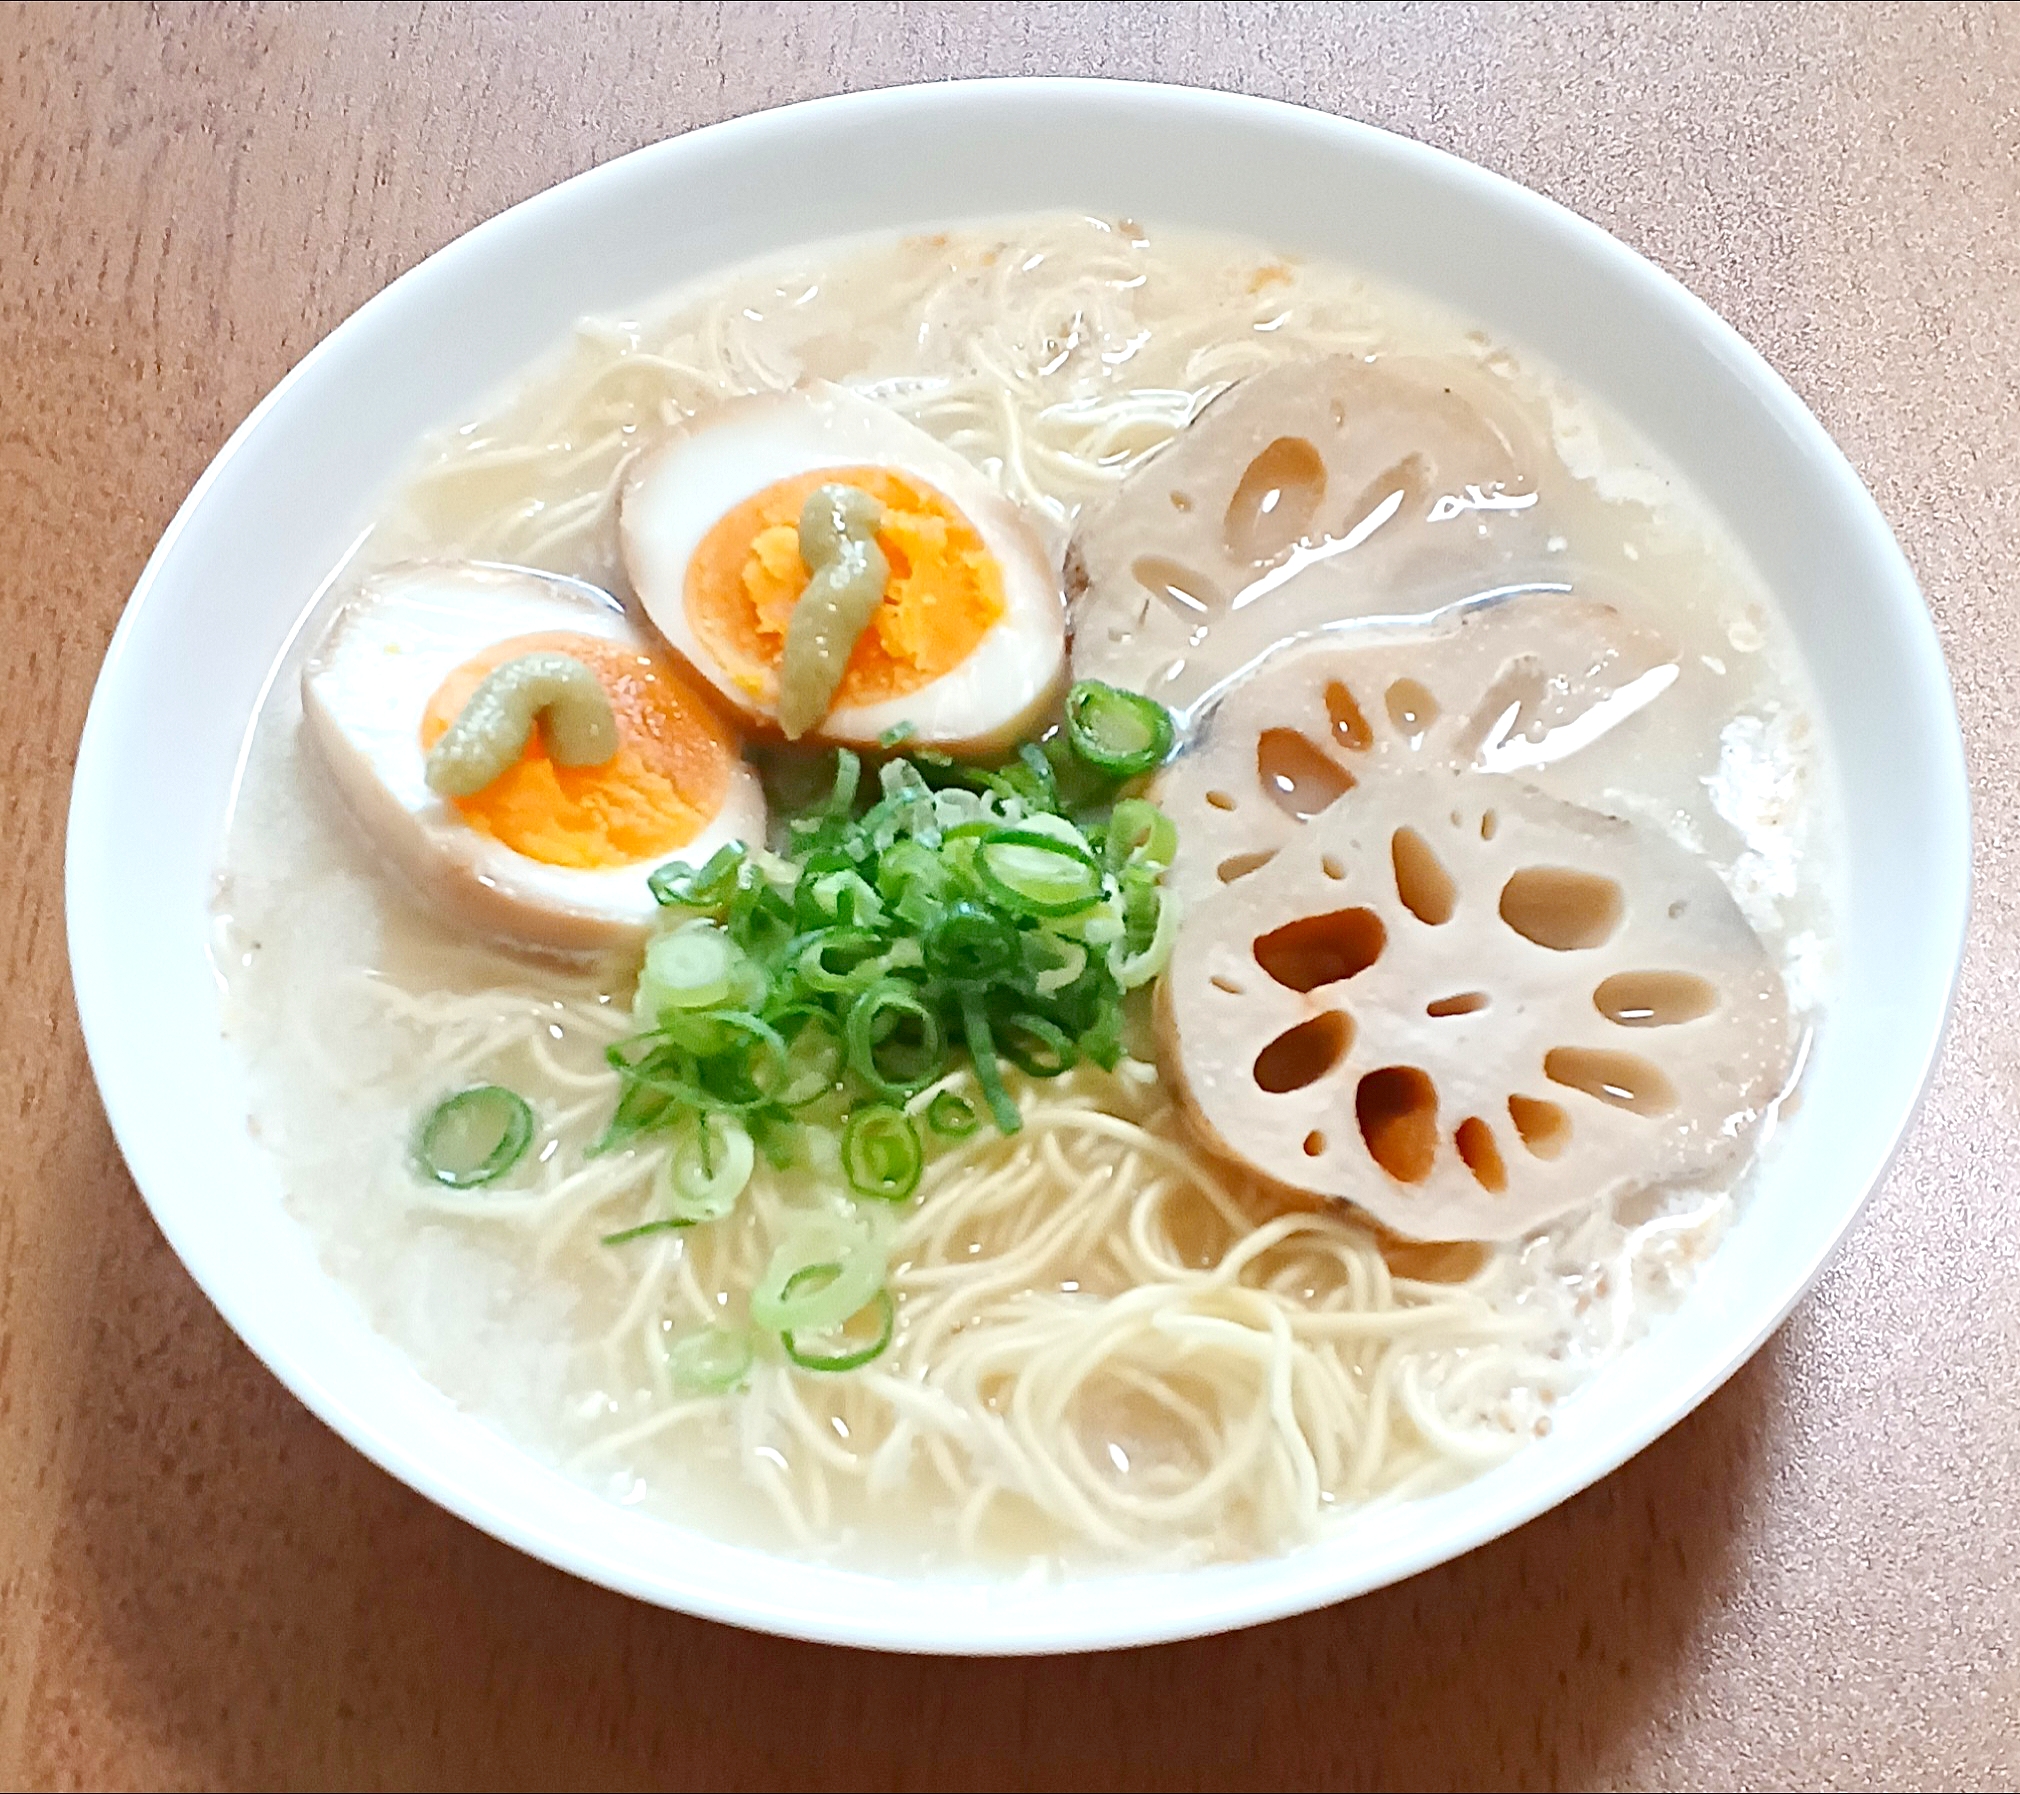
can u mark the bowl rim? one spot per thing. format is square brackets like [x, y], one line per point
[1221, 1604]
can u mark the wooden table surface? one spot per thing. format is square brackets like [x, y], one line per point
[1813, 1582]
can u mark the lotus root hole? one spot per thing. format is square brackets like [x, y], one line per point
[1475, 1141]
[1542, 1126]
[1467, 1002]
[1240, 865]
[1315, 1144]
[1490, 824]
[1397, 1108]
[1302, 1055]
[1176, 585]
[1315, 950]
[1299, 779]
[1655, 999]
[1625, 1080]
[1181, 501]
[1350, 727]
[1498, 718]
[1220, 800]
[1561, 909]
[1329, 864]
[1276, 500]
[1411, 707]
[1434, 1261]
[1423, 884]
[1221, 981]
[1406, 483]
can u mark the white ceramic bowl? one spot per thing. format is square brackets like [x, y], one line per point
[300, 478]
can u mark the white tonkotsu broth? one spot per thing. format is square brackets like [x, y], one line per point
[1109, 1347]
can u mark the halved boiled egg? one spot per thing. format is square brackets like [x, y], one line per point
[550, 854]
[968, 644]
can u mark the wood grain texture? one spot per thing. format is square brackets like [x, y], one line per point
[1813, 1582]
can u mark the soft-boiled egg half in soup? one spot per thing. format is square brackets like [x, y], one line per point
[835, 572]
[517, 747]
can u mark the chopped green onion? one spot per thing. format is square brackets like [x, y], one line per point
[1066, 970]
[843, 896]
[694, 967]
[968, 945]
[1037, 874]
[474, 1137]
[1133, 964]
[1140, 835]
[817, 974]
[952, 1115]
[711, 1059]
[910, 871]
[625, 1234]
[814, 1055]
[896, 733]
[679, 885]
[881, 1154]
[1101, 1039]
[777, 1138]
[1120, 732]
[1038, 1048]
[982, 1050]
[817, 1278]
[848, 774]
[1032, 779]
[712, 1361]
[809, 996]
[878, 1054]
[849, 1357]
[707, 1171]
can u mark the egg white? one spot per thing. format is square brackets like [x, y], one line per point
[680, 491]
[364, 692]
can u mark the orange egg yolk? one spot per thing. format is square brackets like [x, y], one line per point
[667, 779]
[944, 595]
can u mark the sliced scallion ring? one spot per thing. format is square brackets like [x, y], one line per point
[952, 1115]
[712, 1361]
[474, 1137]
[706, 1172]
[1036, 874]
[1038, 1048]
[817, 974]
[791, 1294]
[1139, 967]
[889, 1064]
[1120, 732]
[1140, 835]
[1035, 1045]
[968, 945]
[677, 885]
[1072, 962]
[848, 1357]
[694, 967]
[881, 1153]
